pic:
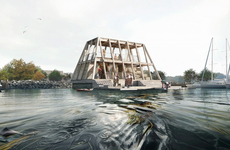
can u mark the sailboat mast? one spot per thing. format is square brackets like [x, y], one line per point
[227, 75]
[206, 60]
[226, 59]
[212, 63]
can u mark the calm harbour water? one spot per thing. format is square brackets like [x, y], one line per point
[69, 119]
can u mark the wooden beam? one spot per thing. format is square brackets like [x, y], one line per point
[95, 58]
[80, 60]
[124, 72]
[146, 59]
[129, 53]
[87, 62]
[139, 60]
[153, 64]
[103, 59]
[88, 51]
[84, 63]
[112, 55]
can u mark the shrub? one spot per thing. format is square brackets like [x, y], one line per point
[55, 76]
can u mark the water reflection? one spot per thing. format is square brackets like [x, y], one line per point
[177, 95]
[67, 119]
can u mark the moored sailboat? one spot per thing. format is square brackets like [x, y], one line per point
[227, 75]
[213, 83]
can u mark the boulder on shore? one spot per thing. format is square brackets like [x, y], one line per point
[44, 84]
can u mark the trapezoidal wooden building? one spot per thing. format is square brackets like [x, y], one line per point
[103, 58]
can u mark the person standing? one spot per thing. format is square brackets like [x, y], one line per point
[126, 80]
[99, 72]
[163, 83]
[131, 80]
[115, 80]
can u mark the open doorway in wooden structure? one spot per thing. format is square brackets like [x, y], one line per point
[103, 58]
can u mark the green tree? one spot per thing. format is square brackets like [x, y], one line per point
[161, 73]
[4, 74]
[18, 70]
[7, 71]
[207, 75]
[190, 75]
[55, 76]
[23, 70]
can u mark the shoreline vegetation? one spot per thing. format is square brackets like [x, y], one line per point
[20, 70]
[22, 75]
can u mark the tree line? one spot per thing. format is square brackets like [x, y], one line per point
[20, 70]
[189, 76]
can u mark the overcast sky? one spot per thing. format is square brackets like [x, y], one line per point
[177, 34]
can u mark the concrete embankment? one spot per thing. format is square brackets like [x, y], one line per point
[30, 84]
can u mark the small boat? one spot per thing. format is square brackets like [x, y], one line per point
[84, 90]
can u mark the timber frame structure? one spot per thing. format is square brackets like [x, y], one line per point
[103, 58]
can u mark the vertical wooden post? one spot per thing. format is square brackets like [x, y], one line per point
[139, 59]
[129, 53]
[112, 55]
[132, 55]
[124, 72]
[102, 56]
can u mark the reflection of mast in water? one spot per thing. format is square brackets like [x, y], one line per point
[226, 93]
[205, 112]
[177, 95]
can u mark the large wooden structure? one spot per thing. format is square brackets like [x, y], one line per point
[103, 58]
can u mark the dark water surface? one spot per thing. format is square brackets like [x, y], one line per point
[68, 119]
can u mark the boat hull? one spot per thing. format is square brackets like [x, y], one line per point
[227, 85]
[213, 85]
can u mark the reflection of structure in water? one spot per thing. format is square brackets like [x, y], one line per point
[103, 58]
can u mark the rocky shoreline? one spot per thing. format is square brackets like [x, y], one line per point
[31, 84]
